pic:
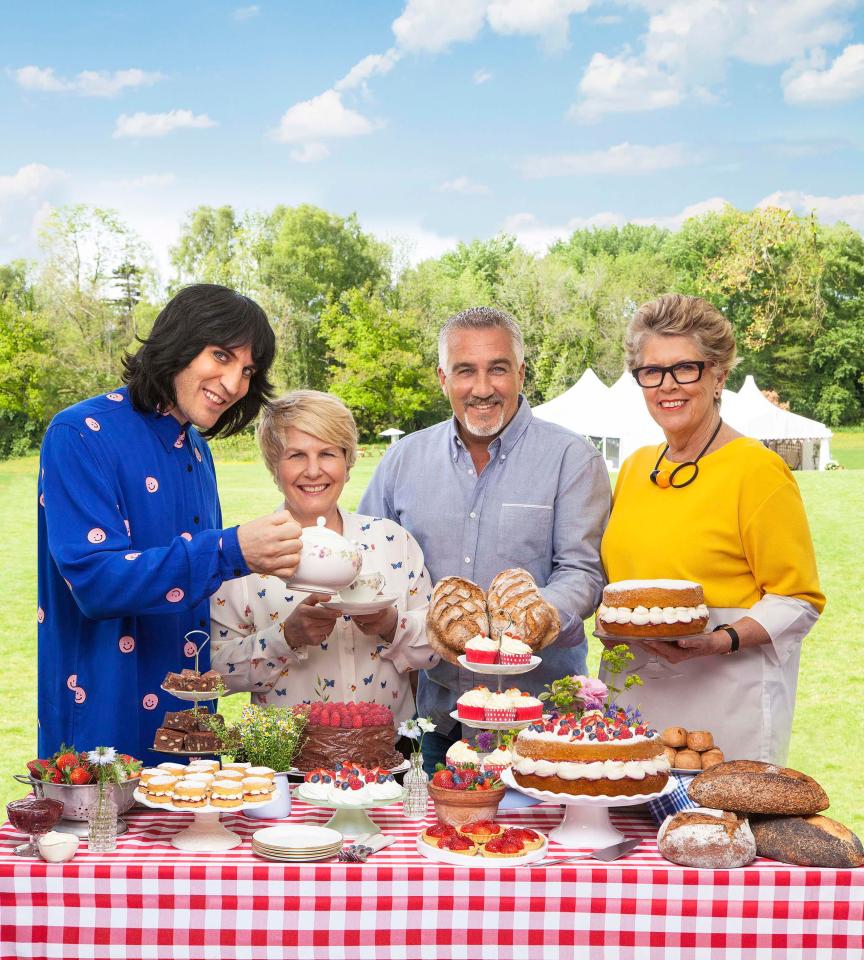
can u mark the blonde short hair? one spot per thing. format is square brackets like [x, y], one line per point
[675, 315]
[320, 414]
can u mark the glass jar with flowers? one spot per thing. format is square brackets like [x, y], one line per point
[416, 783]
[108, 768]
[265, 736]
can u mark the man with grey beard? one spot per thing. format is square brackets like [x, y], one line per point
[492, 488]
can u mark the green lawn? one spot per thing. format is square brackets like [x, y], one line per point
[831, 685]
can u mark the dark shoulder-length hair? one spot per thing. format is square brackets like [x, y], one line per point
[200, 315]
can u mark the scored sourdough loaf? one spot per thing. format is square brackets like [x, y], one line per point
[751, 786]
[709, 839]
[513, 597]
[457, 613]
[807, 841]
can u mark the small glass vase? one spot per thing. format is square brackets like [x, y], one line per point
[102, 820]
[415, 805]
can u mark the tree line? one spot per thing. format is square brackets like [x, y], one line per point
[352, 318]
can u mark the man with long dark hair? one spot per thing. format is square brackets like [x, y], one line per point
[131, 544]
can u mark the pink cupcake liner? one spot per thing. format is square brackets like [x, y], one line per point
[481, 656]
[499, 716]
[515, 658]
[466, 712]
[496, 768]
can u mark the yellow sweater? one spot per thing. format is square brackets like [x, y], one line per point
[739, 529]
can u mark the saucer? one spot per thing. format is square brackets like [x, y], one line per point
[352, 607]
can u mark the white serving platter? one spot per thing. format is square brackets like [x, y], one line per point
[478, 860]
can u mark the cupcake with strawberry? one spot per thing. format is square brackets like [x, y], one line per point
[472, 705]
[528, 707]
[481, 649]
[514, 651]
[497, 761]
[499, 708]
[462, 755]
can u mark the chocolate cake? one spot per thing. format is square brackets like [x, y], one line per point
[361, 733]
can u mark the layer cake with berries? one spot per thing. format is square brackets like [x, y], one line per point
[597, 754]
[361, 733]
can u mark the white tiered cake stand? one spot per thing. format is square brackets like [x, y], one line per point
[586, 820]
[205, 833]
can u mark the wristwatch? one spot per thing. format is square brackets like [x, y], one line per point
[733, 633]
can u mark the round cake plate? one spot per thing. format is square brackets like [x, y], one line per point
[358, 607]
[477, 859]
[490, 725]
[193, 696]
[586, 822]
[205, 833]
[350, 821]
[498, 669]
[614, 636]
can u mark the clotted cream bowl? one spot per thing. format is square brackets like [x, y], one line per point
[328, 561]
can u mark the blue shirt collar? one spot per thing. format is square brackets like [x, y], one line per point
[166, 427]
[509, 436]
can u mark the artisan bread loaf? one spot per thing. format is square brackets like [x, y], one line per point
[457, 613]
[807, 841]
[513, 598]
[711, 839]
[750, 786]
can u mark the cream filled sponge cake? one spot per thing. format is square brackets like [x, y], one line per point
[595, 755]
[653, 608]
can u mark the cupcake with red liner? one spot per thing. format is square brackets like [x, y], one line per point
[481, 649]
[462, 755]
[499, 708]
[499, 759]
[513, 650]
[528, 707]
[472, 705]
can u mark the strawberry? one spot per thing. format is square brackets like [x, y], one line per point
[78, 776]
[357, 721]
[444, 779]
[37, 768]
[355, 783]
[66, 760]
[52, 775]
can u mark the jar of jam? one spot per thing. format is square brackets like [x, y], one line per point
[33, 816]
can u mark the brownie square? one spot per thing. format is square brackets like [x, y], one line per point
[203, 724]
[169, 740]
[207, 742]
[174, 681]
[185, 720]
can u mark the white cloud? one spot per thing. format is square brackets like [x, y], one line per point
[431, 26]
[311, 122]
[623, 84]
[245, 13]
[481, 76]
[374, 64]
[849, 209]
[548, 19]
[412, 242]
[843, 80]
[536, 236]
[146, 181]
[622, 159]
[463, 185]
[24, 197]
[88, 83]
[688, 43]
[160, 124]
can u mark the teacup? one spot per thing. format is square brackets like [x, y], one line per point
[365, 587]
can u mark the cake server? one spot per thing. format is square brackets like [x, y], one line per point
[606, 854]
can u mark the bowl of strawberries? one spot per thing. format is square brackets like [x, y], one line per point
[67, 777]
[465, 794]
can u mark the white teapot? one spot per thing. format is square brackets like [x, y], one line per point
[328, 562]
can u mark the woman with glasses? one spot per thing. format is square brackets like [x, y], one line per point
[714, 507]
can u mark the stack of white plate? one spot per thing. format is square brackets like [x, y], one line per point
[296, 842]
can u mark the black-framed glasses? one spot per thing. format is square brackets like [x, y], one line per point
[687, 371]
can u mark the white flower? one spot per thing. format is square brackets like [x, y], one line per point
[409, 728]
[426, 724]
[102, 756]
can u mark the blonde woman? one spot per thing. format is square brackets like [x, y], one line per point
[280, 643]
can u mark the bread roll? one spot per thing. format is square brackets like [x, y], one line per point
[711, 839]
[699, 740]
[669, 753]
[687, 760]
[513, 597]
[711, 758]
[807, 841]
[457, 612]
[674, 737]
[750, 786]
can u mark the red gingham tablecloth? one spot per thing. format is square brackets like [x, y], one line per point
[148, 899]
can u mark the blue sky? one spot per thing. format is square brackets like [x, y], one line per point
[435, 121]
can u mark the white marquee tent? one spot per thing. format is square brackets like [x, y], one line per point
[616, 420]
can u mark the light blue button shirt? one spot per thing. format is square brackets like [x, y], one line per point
[541, 503]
